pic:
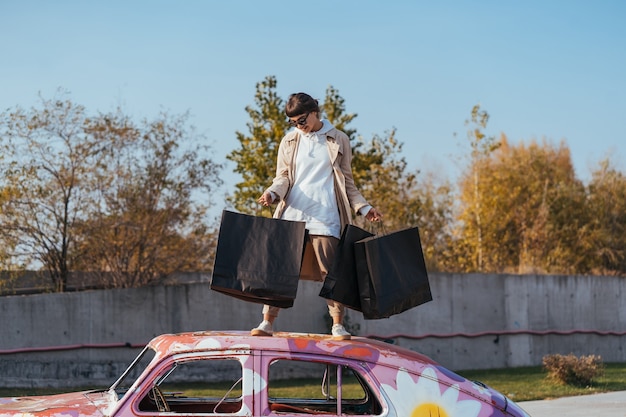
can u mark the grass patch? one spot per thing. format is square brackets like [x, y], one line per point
[310, 388]
[532, 383]
[519, 384]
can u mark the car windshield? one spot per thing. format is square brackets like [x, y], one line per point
[133, 372]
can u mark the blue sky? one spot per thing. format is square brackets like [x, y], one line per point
[542, 69]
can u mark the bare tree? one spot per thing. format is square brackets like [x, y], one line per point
[154, 197]
[100, 193]
[48, 153]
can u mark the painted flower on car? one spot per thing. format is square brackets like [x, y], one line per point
[426, 397]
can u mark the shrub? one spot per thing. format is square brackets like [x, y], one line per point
[572, 370]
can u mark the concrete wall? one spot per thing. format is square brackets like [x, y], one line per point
[474, 322]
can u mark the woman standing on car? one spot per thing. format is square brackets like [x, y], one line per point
[314, 184]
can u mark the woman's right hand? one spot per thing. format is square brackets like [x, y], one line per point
[266, 199]
[374, 215]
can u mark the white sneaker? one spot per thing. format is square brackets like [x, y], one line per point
[340, 333]
[263, 329]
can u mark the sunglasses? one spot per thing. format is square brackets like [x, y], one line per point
[301, 121]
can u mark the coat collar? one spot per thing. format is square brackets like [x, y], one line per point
[334, 147]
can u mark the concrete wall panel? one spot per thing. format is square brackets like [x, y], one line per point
[475, 321]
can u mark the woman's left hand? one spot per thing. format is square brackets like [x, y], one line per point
[374, 215]
[265, 199]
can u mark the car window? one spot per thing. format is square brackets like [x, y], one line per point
[136, 368]
[197, 386]
[312, 387]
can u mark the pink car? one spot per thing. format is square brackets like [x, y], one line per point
[235, 374]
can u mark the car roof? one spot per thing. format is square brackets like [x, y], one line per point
[357, 348]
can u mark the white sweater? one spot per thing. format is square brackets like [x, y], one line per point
[312, 197]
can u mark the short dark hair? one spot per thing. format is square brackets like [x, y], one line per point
[300, 103]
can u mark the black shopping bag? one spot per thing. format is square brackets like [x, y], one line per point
[258, 259]
[341, 283]
[392, 273]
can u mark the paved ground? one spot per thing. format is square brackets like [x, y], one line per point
[612, 404]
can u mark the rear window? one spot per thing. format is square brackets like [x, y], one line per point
[311, 387]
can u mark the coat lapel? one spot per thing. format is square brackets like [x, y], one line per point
[333, 149]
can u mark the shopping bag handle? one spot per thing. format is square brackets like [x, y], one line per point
[377, 228]
[261, 212]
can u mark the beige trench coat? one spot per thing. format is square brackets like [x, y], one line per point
[348, 196]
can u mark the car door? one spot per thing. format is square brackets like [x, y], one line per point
[304, 384]
[198, 383]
